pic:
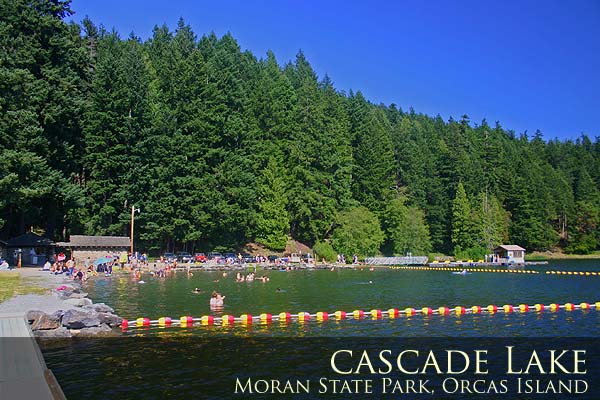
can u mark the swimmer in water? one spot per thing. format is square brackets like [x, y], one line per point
[216, 301]
[279, 290]
[196, 291]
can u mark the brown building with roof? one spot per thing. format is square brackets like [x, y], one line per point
[510, 253]
[33, 248]
[95, 247]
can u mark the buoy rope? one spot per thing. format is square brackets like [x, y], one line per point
[375, 314]
[515, 271]
[585, 273]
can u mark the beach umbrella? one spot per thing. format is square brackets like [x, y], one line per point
[103, 260]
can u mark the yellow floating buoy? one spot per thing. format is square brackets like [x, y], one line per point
[340, 315]
[523, 308]
[303, 317]
[246, 319]
[265, 318]
[285, 317]
[322, 316]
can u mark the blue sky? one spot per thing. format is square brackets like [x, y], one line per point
[528, 64]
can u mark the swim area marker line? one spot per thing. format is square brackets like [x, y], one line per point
[514, 271]
[375, 314]
[584, 273]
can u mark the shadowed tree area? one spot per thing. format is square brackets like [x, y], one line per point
[219, 148]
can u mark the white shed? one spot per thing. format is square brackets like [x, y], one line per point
[510, 253]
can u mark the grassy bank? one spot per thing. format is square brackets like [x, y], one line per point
[12, 284]
[550, 255]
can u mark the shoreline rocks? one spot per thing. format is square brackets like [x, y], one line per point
[81, 317]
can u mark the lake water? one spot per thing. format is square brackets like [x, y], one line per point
[203, 362]
[348, 290]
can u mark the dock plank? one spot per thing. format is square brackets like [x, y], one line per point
[23, 371]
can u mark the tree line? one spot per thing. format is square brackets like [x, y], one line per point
[219, 148]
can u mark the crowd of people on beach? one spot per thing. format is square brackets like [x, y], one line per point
[68, 267]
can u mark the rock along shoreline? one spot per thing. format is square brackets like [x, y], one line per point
[65, 312]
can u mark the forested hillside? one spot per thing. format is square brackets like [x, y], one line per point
[219, 147]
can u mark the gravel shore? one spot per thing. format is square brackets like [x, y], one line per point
[48, 303]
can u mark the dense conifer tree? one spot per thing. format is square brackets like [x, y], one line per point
[219, 149]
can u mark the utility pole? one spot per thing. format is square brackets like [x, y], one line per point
[133, 210]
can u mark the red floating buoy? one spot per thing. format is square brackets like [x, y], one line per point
[322, 316]
[340, 314]
[285, 317]
[266, 317]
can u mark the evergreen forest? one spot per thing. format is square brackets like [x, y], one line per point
[219, 147]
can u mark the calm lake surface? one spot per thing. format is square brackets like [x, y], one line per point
[348, 290]
[204, 362]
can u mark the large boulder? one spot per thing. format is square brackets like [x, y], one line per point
[33, 315]
[78, 302]
[78, 295]
[58, 314]
[109, 319]
[100, 307]
[60, 332]
[45, 322]
[65, 293]
[73, 319]
[90, 322]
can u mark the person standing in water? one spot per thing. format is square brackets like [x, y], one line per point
[216, 301]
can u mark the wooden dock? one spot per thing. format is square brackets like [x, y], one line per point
[23, 371]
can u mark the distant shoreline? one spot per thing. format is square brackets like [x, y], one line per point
[547, 255]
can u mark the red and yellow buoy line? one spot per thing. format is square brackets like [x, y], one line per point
[284, 318]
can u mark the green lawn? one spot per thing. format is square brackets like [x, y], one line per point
[11, 284]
